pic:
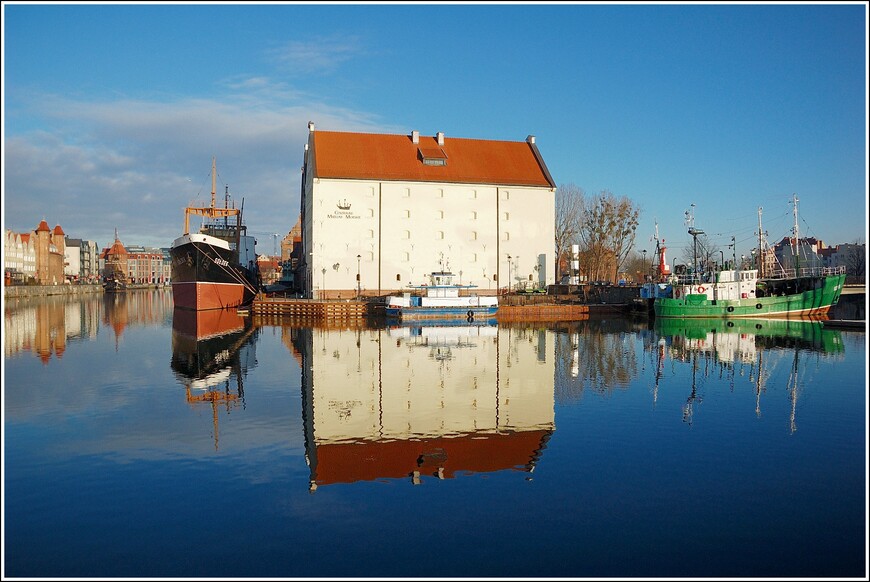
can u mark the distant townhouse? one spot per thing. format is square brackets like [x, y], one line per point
[82, 258]
[145, 265]
[390, 209]
[804, 253]
[36, 256]
[19, 257]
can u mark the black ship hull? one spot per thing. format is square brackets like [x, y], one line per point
[207, 276]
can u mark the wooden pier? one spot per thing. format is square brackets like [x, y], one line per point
[311, 309]
[346, 311]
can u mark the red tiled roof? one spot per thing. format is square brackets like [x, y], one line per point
[367, 156]
[43, 227]
[58, 230]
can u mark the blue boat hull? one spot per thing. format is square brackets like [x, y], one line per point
[413, 313]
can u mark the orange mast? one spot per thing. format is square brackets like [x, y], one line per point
[210, 211]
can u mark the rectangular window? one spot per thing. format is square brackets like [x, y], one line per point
[406, 214]
[439, 234]
[473, 215]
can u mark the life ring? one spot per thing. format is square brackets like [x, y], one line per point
[701, 289]
[677, 293]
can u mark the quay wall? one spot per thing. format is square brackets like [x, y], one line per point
[30, 291]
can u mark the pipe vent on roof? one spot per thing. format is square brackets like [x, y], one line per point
[311, 126]
[440, 137]
[531, 139]
[415, 136]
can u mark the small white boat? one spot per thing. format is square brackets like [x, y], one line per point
[440, 299]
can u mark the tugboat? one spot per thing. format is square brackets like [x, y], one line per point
[440, 299]
[216, 267]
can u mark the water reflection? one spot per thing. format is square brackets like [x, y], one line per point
[46, 326]
[424, 401]
[731, 349]
[212, 352]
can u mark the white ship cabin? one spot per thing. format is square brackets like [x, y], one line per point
[442, 285]
[721, 286]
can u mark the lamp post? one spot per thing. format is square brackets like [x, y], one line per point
[644, 264]
[310, 274]
[357, 278]
[722, 258]
[509, 274]
[323, 284]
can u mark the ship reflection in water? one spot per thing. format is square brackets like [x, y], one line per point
[212, 352]
[429, 401]
[732, 347]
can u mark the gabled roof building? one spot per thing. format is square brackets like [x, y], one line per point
[393, 208]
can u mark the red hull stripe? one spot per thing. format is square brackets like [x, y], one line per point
[201, 296]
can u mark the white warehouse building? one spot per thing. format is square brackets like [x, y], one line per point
[380, 212]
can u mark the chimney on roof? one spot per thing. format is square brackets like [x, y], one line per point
[440, 137]
[415, 136]
[311, 127]
[531, 139]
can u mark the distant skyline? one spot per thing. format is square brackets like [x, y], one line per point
[113, 112]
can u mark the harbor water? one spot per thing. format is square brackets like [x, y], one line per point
[140, 441]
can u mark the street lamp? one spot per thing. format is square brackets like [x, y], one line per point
[644, 264]
[722, 258]
[323, 285]
[509, 274]
[357, 277]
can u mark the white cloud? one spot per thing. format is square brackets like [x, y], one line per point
[135, 164]
[322, 55]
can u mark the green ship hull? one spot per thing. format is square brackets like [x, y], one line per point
[813, 302]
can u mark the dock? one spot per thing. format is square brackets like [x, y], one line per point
[347, 310]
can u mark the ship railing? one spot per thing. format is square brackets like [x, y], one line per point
[817, 271]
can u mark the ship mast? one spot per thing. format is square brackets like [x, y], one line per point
[210, 211]
[796, 245]
[760, 247]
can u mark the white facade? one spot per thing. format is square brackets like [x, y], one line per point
[72, 260]
[353, 398]
[396, 232]
[19, 253]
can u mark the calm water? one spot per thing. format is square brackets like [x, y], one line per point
[139, 442]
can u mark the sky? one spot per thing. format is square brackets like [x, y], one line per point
[112, 113]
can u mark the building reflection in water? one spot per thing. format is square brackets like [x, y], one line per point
[212, 352]
[47, 326]
[425, 401]
[732, 348]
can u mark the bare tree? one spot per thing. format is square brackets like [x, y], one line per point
[855, 259]
[708, 254]
[607, 234]
[569, 216]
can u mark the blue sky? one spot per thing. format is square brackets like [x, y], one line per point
[112, 113]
